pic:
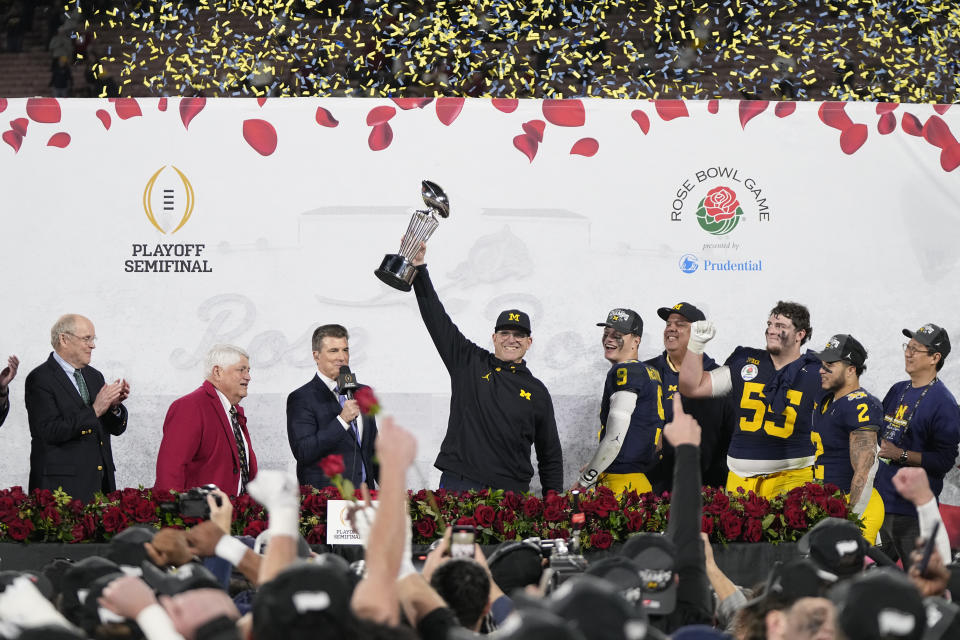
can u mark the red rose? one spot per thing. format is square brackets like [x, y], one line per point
[730, 525]
[114, 520]
[706, 524]
[484, 514]
[75, 507]
[51, 514]
[19, 529]
[332, 465]
[532, 507]
[753, 532]
[8, 508]
[601, 539]
[367, 401]
[608, 502]
[796, 518]
[756, 506]
[145, 511]
[555, 499]
[509, 516]
[315, 504]
[555, 534]
[467, 521]
[721, 203]
[427, 528]
[255, 528]
[636, 520]
[815, 490]
[836, 507]
[89, 525]
[163, 495]
[553, 513]
[510, 500]
[317, 535]
[498, 522]
[129, 498]
[78, 533]
[44, 497]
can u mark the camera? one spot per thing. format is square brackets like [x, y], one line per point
[563, 563]
[192, 503]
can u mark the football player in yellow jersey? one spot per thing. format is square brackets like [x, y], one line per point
[631, 411]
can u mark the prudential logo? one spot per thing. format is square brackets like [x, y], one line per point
[689, 263]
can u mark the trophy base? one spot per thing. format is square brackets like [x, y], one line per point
[396, 271]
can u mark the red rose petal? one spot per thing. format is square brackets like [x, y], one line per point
[448, 109]
[325, 118]
[189, 108]
[535, 129]
[104, 118]
[939, 108]
[13, 139]
[670, 109]
[886, 107]
[527, 145]
[411, 103]
[564, 113]
[950, 157]
[43, 109]
[162, 104]
[853, 138]
[911, 124]
[261, 101]
[713, 106]
[3, 105]
[61, 139]
[19, 126]
[937, 133]
[127, 108]
[507, 105]
[833, 115]
[585, 147]
[783, 109]
[381, 136]
[380, 115]
[260, 135]
[887, 123]
[750, 109]
[641, 119]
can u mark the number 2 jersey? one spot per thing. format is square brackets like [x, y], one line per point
[833, 422]
[638, 453]
[773, 409]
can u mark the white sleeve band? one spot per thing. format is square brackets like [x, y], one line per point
[622, 404]
[928, 515]
[720, 381]
[231, 550]
[156, 624]
[864, 499]
[284, 521]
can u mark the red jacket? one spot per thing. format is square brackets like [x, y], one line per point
[198, 445]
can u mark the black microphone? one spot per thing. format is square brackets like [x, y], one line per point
[346, 382]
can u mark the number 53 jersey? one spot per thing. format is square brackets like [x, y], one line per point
[774, 411]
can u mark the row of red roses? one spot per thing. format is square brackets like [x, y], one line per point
[43, 516]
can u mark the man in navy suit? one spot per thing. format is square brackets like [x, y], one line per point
[322, 422]
[72, 414]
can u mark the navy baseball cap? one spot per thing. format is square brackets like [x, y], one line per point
[513, 319]
[685, 309]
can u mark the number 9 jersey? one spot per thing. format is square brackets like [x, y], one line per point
[638, 453]
[773, 410]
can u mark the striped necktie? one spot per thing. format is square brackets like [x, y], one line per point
[82, 386]
[241, 449]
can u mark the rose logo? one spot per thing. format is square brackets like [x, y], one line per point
[719, 212]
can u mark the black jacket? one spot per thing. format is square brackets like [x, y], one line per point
[497, 409]
[314, 433]
[70, 445]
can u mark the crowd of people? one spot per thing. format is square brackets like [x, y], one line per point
[766, 420]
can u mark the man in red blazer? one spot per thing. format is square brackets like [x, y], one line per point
[205, 437]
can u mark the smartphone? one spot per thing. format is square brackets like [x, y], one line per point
[462, 541]
[928, 548]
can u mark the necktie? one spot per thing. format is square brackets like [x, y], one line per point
[353, 432]
[241, 449]
[81, 386]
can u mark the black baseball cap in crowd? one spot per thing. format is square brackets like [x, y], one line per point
[685, 309]
[943, 619]
[844, 347]
[597, 609]
[513, 319]
[305, 600]
[126, 548]
[525, 624]
[835, 546]
[656, 557]
[192, 575]
[881, 603]
[624, 320]
[931, 336]
[515, 565]
[789, 581]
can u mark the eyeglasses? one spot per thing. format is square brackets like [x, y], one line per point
[911, 350]
[83, 339]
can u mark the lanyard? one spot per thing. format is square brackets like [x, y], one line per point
[902, 424]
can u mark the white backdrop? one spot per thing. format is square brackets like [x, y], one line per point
[863, 231]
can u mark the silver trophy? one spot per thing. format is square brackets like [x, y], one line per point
[397, 269]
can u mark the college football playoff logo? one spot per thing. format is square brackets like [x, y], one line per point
[176, 203]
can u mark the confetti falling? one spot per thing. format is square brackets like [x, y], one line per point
[894, 51]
